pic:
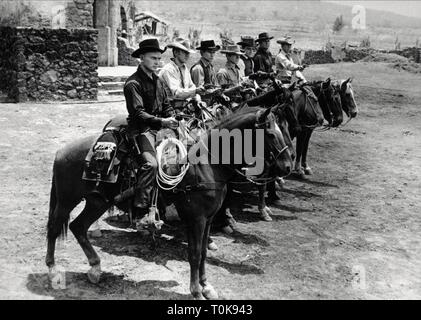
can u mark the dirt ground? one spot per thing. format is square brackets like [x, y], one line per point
[352, 231]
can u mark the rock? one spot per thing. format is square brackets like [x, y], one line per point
[72, 94]
[50, 76]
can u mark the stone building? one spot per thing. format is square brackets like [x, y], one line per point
[50, 50]
[107, 16]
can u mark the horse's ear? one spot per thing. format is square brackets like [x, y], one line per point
[261, 116]
[350, 80]
[326, 83]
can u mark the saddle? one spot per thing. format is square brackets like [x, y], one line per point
[104, 158]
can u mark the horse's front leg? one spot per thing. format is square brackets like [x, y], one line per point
[298, 171]
[208, 291]
[307, 169]
[195, 233]
[264, 210]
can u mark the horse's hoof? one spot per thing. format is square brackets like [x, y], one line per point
[57, 277]
[198, 296]
[308, 171]
[212, 246]
[209, 292]
[279, 185]
[264, 214]
[94, 274]
[299, 173]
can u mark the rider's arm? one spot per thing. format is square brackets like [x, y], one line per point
[222, 78]
[282, 62]
[258, 63]
[171, 78]
[136, 107]
[167, 108]
[197, 75]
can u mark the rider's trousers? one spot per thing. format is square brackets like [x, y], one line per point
[146, 176]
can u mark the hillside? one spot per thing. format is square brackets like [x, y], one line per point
[309, 21]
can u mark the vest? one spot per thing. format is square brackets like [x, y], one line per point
[205, 71]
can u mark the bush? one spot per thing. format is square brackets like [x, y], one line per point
[365, 43]
[338, 24]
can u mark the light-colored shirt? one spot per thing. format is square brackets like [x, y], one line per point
[177, 81]
[285, 66]
[230, 75]
[198, 74]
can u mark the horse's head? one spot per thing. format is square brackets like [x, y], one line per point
[309, 112]
[332, 107]
[347, 97]
[277, 155]
[285, 114]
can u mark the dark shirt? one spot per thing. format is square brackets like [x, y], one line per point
[146, 101]
[248, 65]
[263, 61]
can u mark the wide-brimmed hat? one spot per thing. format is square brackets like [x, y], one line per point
[148, 45]
[233, 49]
[182, 44]
[208, 45]
[247, 41]
[286, 40]
[263, 36]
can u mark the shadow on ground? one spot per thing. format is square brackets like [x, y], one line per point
[111, 286]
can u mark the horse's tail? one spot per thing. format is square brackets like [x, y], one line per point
[57, 225]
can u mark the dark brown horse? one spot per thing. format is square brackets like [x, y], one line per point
[202, 192]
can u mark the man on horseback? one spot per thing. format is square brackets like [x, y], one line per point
[203, 72]
[248, 46]
[149, 111]
[176, 76]
[263, 57]
[285, 66]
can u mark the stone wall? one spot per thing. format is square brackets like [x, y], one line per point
[79, 14]
[318, 57]
[48, 64]
[125, 53]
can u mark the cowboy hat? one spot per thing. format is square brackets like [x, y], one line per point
[181, 44]
[287, 40]
[208, 45]
[233, 49]
[247, 41]
[263, 36]
[148, 45]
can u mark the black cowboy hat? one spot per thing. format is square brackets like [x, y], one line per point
[208, 45]
[263, 36]
[148, 45]
[247, 41]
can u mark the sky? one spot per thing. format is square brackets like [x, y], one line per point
[407, 8]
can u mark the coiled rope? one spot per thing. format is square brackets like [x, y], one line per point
[164, 180]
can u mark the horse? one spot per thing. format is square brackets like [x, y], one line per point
[203, 189]
[347, 97]
[329, 101]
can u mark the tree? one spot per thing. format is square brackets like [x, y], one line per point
[338, 24]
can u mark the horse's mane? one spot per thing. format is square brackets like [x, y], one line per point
[235, 116]
[266, 98]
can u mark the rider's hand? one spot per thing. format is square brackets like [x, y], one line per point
[200, 90]
[171, 123]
